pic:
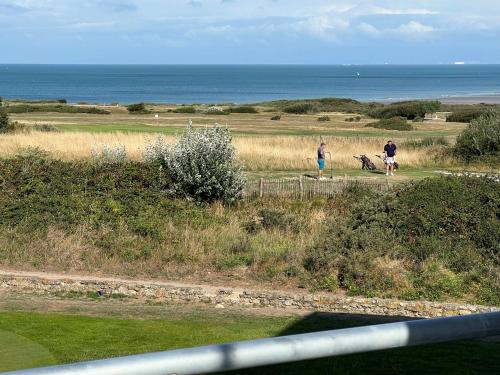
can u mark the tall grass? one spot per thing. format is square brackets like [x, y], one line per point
[255, 153]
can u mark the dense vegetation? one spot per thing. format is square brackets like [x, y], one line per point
[321, 105]
[243, 109]
[435, 239]
[60, 108]
[136, 108]
[393, 123]
[410, 109]
[481, 140]
[185, 109]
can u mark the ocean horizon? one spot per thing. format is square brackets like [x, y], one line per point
[212, 84]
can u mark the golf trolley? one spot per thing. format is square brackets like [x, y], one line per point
[366, 163]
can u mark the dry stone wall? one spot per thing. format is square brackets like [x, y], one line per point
[225, 297]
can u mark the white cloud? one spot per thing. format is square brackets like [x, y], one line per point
[368, 28]
[415, 28]
[399, 11]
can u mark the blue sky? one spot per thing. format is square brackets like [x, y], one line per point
[256, 31]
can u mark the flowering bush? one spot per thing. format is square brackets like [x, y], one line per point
[110, 155]
[201, 164]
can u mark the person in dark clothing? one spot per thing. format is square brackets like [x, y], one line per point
[390, 157]
[321, 159]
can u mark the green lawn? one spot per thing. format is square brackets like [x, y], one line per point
[34, 339]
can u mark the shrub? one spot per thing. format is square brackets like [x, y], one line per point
[7, 126]
[466, 115]
[481, 139]
[324, 118]
[394, 123]
[4, 121]
[276, 118]
[436, 238]
[409, 109]
[243, 109]
[185, 109]
[62, 101]
[45, 128]
[215, 110]
[110, 155]
[202, 165]
[299, 109]
[136, 108]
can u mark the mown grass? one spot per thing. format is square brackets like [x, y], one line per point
[57, 338]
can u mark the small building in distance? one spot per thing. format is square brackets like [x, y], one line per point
[437, 116]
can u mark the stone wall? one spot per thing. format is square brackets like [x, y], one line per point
[221, 297]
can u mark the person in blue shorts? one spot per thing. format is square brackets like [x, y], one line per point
[390, 157]
[321, 159]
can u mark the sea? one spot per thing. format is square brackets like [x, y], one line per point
[216, 84]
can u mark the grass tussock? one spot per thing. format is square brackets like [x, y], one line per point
[255, 153]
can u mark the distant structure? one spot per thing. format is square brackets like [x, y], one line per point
[437, 116]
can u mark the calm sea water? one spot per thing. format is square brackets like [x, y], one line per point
[243, 83]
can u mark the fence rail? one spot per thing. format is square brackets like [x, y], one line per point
[306, 188]
[275, 350]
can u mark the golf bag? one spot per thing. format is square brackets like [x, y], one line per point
[396, 165]
[366, 163]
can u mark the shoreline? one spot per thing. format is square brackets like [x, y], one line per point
[472, 99]
[465, 99]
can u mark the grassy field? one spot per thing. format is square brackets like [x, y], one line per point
[31, 339]
[263, 145]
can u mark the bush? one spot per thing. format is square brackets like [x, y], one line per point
[4, 121]
[201, 165]
[185, 109]
[466, 115]
[45, 128]
[215, 110]
[276, 118]
[481, 139]
[353, 119]
[435, 239]
[110, 155]
[7, 126]
[395, 123]
[299, 109]
[243, 109]
[410, 109]
[136, 108]
[324, 118]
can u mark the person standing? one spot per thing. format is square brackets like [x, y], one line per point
[390, 157]
[321, 160]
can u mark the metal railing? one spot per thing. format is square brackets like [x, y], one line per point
[276, 350]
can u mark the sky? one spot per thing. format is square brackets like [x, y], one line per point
[249, 32]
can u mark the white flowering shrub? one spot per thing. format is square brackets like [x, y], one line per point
[201, 164]
[109, 155]
[215, 110]
[156, 151]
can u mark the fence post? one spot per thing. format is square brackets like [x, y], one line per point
[301, 187]
[261, 187]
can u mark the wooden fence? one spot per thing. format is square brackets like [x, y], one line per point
[305, 188]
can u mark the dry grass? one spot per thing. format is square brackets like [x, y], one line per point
[258, 153]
